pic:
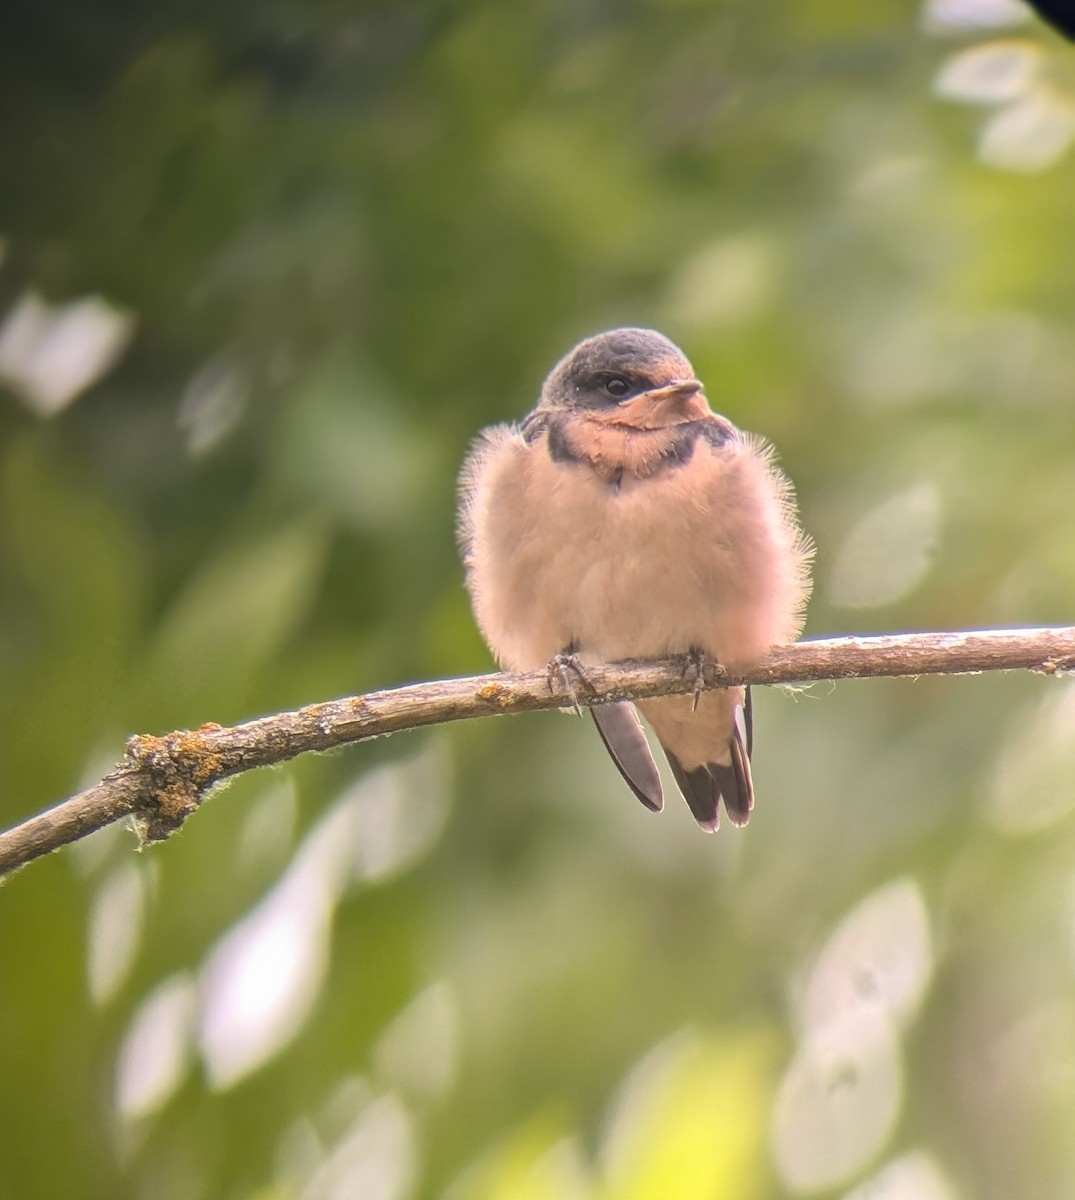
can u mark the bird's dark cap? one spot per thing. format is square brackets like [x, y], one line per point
[633, 353]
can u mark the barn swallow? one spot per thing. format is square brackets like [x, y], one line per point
[623, 518]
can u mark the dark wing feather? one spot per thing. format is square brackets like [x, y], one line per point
[737, 786]
[621, 731]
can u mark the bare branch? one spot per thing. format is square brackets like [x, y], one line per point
[162, 780]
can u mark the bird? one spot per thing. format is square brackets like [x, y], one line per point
[624, 518]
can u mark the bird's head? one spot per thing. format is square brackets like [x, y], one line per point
[632, 377]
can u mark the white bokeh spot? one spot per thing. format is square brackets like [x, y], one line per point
[889, 550]
[155, 1052]
[878, 959]
[50, 354]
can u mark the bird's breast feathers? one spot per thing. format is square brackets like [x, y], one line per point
[629, 543]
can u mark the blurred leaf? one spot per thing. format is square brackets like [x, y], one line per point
[231, 618]
[692, 1122]
[535, 1162]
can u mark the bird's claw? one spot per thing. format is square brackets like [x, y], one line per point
[563, 669]
[696, 663]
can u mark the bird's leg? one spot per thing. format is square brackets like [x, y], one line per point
[562, 667]
[696, 664]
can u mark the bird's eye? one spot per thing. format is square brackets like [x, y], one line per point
[617, 387]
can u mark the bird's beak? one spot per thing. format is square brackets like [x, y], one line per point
[678, 389]
[674, 403]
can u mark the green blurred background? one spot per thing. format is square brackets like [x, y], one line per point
[268, 266]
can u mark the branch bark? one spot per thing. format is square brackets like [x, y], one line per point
[162, 780]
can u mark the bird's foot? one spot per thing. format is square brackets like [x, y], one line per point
[696, 666]
[563, 671]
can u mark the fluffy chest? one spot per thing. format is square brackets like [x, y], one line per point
[636, 536]
[623, 564]
[631, 548]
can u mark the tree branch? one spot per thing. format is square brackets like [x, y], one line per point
[162, 780]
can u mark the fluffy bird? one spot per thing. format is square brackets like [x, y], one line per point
[623, 518]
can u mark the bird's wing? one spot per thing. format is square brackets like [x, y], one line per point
[621, 731]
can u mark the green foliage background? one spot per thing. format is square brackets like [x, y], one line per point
[348, 235]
